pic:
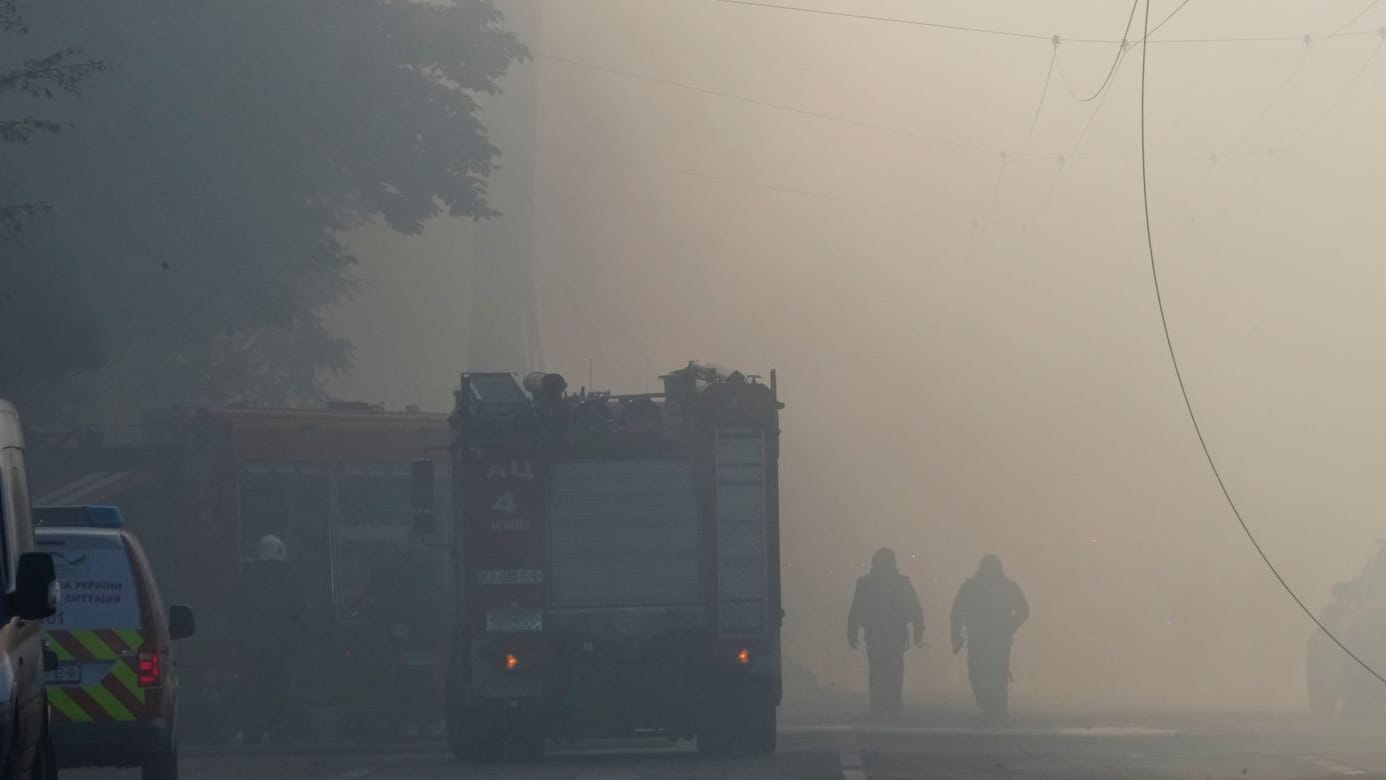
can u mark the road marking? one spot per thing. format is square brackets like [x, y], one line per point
[1334, 768]
[367, 771]
[1092, 731]
[849, 756]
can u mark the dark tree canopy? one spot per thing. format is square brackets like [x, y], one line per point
[200, 201]
[37, 78]
[37, 299]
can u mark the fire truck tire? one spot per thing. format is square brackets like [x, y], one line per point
[745, 731]
[474, 741]
[762, 732]
[468, 743]
[526, 746]
[163, 766]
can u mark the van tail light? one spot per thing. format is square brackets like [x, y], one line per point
[151, 669]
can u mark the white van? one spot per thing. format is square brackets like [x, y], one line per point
[30, 596]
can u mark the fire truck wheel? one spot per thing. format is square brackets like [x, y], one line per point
[163, 766]
[762, 731]
[527, 745]
[741, 731]
[473, 741]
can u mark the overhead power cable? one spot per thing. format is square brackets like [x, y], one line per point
[1044, 93]
[778, 106]
[1274, 98]
[1184, 390]
[1029, 133]
[1359, 15]
[1036, 36]
[891, 19]
[1164, 21]
[900, 131]
[1304, 138]
[1347, 88]
[995, 193]
[1116, 61]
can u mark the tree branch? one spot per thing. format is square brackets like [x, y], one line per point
[13, 217]
[10, 18]
[22, 131]
[43, 77]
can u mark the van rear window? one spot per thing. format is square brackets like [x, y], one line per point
[98, 585]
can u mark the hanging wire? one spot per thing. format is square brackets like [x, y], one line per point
[1359, 15]
[1184, 391]
[1036, 36]
[1044, 93]
[1116, 60]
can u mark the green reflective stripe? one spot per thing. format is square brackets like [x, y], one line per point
[93, 643]
[64, 704]
[131, 637]
[60, 651]
[109, 703]
[128, 678]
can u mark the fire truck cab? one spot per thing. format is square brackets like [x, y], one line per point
[614, 564]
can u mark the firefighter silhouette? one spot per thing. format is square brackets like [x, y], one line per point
[270, 611]
[987, 612]
[886, 606]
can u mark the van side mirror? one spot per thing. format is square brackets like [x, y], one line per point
[35, 594]
[181, 623]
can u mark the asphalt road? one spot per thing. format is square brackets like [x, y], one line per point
[1115, 750]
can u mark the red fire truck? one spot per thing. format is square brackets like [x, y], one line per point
[615, 564]
[334, 484]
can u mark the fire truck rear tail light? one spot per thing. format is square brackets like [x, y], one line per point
[511, 662]
[150, 669]
[744, 657]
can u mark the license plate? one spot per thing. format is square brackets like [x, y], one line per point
[66, 674]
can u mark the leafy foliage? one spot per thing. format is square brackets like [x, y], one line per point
[42, 77]
[202, 198]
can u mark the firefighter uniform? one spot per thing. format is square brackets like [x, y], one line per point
[987, 612]
[886, 606]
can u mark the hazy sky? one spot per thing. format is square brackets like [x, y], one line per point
[969, 345]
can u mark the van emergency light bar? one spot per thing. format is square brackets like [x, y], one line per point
[79, 516]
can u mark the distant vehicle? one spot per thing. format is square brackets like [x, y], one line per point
[114, 689]
[201, 487]
[31, 595]
[1357, 616]
[615, 567]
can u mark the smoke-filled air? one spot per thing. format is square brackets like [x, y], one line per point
[943, 253]
[1090, 286]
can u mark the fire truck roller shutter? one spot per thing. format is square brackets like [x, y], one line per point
[741, 532]
[624, 533]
